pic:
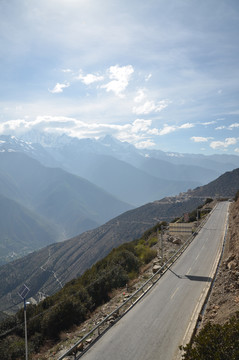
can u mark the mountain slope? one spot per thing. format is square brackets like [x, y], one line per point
[22, 231]
[226, 185]
[58, 263]
[98, 162]
[46, 269]
[123, 170]
[219, 163]
[68, 202]
[166, 170]
[134, 175]
[126, 181]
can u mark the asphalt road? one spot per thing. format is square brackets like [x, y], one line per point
[158, 324]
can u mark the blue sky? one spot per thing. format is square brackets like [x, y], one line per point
[158, 73]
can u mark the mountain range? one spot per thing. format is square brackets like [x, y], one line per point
[62, 204]
[68, 185]
[47, 270]
[135, 176]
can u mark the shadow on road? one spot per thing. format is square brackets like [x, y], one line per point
[199, 278]
[193, 277]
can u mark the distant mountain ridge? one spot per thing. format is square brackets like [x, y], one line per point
[91, 159]
[68, 203]
[126, 152]
[122, 174]
[133, 175]
[56, 264]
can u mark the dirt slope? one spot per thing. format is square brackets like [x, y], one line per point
[224, 299]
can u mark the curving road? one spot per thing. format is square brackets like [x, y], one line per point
[164, 318]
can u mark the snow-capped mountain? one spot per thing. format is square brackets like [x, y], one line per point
[35, 150]
[136, 176]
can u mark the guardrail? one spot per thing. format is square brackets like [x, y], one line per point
[106, 323]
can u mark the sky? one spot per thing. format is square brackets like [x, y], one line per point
[159, 74]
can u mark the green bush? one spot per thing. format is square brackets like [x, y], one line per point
[145, 254]
[62, 316]
[12, 348]
[215, 342]
[153, 241]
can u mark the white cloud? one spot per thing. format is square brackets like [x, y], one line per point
[120, 77]
[145, 144]
[230, 127]
[66, 70]
[237, 150]
[150, 106]
[186, 126]
[220, 127]
[139, 132]
[148, 77]
[200, 139]
[90, 78]
[140, 96]
[167, 129]
[209, 123]
[59, 88]
[141, 125]
[223, 144]
[12, 125]
[233, 126]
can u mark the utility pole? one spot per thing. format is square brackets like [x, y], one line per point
[23, 294]
[198, 217]
[25, 322]
[162, 245]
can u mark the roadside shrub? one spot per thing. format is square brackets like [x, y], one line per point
[62, 316]
[215, 342]
[16, 348]
[126, 259]
[208, 201]
[145, 254]
[36, 341]
[8, 323]
[153, 241]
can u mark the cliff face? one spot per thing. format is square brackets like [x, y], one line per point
[224, 299]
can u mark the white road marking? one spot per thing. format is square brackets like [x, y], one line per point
[174, 293]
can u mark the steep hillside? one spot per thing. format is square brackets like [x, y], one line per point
[22, 231]
[48, 269]
[227, 184]
[71, 203]
[73, 305]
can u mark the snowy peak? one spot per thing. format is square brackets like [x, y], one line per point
[12, 144]
[36, 151]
